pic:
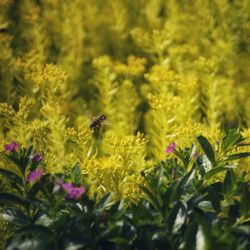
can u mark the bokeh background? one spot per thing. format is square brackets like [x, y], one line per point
[161, 71]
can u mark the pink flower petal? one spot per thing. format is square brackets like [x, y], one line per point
[37, 157]
[11, 147]
[35, 175]
[171, 148]
[67, 186]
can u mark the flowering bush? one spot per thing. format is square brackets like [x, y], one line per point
[162, 73]
[183, 206]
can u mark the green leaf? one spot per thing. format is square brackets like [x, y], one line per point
[11, 176]
[187, 179]
[200, 239]
[13, 158]
[232, 138]
[167, 196]
[206, 206]
[103, 203]
[195, 238]
[34, 166]
[229, 182]
[152, 198]
[121, 242]
[236, 156]
[192, 152]
[216, 170]
[177, 217]
[32, 238]
[207, 148]
[190, 237]
[245, 230]
[34, 229]
[19, 242]
[36, 187]
[76, 175]
[14, 216]
[203, 164]
[25, 160]
[7, 198]
[245, 201]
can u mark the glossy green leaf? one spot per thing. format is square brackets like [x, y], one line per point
[7, 198]
[25, 160]
[177, 217]
[216, 170]
[103, 203]
[34, 229]
[152, 198]
[192, 151]
[195, 238]
[167, 196]
[190, 237]
[32, 238]
[229, 182]
[245, 201]
[188, 178]
[236, 156]
[14, 216]
[232, 138]
[13, 158]
[11, 176]
[215, 195]
[38, 186]
[207, 148]
[76, 175]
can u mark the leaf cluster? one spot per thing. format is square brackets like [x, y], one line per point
[181, 207]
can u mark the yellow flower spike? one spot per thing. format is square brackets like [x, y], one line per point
[246, 133]
[25, 105]
[7, 112]
[134, 67]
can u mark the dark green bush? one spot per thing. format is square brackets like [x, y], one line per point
[192, 201]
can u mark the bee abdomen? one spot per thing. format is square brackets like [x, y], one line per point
[94, 123]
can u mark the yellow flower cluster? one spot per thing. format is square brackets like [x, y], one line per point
[134, 67]
[118, 171]
[80, 140]
[169, 69]
[50, 74]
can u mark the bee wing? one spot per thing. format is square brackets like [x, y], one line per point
[107, 123]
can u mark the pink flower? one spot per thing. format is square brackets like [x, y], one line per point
[73, 192]
[171, 148]
[76, 192]
[35, 175]
[11, 147]
[67, 186]
[37, 157]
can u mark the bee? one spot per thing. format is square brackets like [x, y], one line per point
[97, 121]
[4, 28]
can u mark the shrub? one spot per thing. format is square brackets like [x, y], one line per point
[186, 204]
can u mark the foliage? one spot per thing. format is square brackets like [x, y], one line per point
[169, 69]
[162, 72]
[184, 205]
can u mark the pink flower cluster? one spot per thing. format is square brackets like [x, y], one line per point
[72, 192]
[34, 175]
[171, 148]
[36, 158]
[11, 147]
